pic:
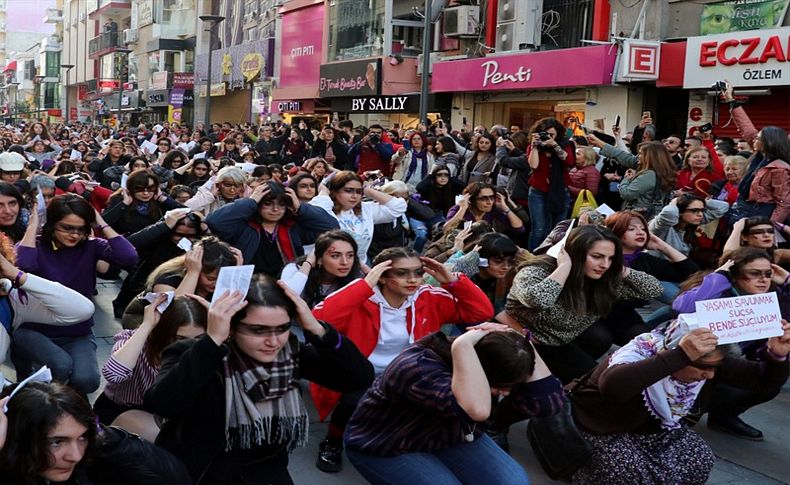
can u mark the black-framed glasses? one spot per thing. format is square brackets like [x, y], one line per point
[68, 229]
[486, 198]
[151, 189]
[254, 330]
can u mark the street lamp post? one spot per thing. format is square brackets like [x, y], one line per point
[68, 68]
[16, 100]
[37, 80]
[213, 21]
[426, 63]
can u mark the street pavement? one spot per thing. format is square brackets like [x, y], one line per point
[739, 461]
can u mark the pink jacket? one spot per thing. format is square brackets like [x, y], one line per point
[771, 185]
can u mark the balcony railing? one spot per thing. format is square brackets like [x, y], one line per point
[104, 43]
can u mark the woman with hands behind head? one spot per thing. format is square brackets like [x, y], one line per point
[270, 227]
[632, 408]
[232, 397]
[418, 423]
[383, 314]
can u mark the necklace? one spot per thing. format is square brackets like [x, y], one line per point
[270, 236]
[470, 436]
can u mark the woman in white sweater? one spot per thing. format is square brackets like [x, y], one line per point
[342, 197]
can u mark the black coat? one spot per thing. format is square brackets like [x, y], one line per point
[339, 149]
[190, 392]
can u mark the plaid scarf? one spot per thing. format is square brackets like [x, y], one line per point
[263, 402]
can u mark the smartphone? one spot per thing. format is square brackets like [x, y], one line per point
[617, 121]
[467, 224]
[646, 114]
[706, 127]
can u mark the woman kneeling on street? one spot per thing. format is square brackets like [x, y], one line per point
[232, 398]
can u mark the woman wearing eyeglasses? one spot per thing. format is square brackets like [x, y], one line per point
[677, 223]
[745, 271]
[342, 196]
[232, 398]
[439, 189]
[270, 227]
[758, 232]
[65, 253]
[139, 204]
[481, 202]
[383, 314]
[229, 184]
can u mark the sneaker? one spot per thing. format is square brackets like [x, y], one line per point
[500, 438]
[330, 457]
[736, 427]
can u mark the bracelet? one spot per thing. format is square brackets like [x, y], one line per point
[102, 227]
[506, 212]
[308, 262]
[19, 275]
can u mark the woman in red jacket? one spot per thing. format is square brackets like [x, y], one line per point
[385, 313]
[701, 169]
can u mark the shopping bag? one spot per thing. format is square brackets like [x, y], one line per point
[584, 202]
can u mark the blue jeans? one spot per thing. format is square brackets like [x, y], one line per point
[420, 234]
[666, 312]
[542, 219]
[71, 359]
[480, 461]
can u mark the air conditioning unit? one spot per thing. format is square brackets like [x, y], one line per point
[130, 36]
[518, 25]
[435, 57]
[462, 21]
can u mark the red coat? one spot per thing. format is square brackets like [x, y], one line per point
[701, 184]
[351, 311]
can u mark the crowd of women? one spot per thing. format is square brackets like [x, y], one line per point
[434, 287]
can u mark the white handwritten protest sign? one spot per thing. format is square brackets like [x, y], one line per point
[741, 318]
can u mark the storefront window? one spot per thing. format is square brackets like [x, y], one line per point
[172, 61]
[356, 29]
[53, 64]
[107, 67]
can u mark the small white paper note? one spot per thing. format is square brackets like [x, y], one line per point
[41, 375]
[232, 278]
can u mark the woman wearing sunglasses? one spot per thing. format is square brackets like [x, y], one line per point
[229, 185]
[232, 398]
[342, 198]
[139, 204]
[745, 271]
[758, 232]
[677, 222]
[65, 253]
[383, 314]
[270, 227]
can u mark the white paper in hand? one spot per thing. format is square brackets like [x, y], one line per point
[247, 167]
[201, 155]
[75, 155]
[41, 375]
[554, 251]
[232, 278]
[185, 244]
[150, 297]
[209, 184]
[41, 206]
[605, 210]
[124, 178]
[148, 147]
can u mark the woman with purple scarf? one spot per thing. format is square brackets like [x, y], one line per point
[413, 165]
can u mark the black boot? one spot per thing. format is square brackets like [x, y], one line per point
[330, 457]
[735, 426]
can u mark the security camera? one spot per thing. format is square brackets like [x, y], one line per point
[591, 97]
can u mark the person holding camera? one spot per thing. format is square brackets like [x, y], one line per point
[373, 152]
[270, 227]
[550, 156]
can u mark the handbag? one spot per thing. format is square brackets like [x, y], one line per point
[558, 444]
[585, 202]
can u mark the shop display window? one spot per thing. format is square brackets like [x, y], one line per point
[356, 29]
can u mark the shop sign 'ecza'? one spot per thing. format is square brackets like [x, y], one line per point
[751, 58]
